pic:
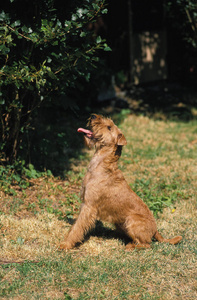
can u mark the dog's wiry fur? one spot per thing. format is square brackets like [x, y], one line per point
[106, 195]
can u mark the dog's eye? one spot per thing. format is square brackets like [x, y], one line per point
[109, 128]
[93, 117]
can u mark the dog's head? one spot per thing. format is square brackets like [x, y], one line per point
[103, 132]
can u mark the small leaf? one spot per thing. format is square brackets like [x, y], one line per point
[107, 48]
[98, 39]
[82, 34]
[104, 11]
[2, 16]
[16, 23]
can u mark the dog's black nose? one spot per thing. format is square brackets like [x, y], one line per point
[93, 117]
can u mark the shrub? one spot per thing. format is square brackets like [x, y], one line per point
[45, 48]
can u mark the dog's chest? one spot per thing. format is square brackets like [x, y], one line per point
[97, 179]
[99, 184]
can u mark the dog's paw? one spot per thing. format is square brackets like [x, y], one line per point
[132, 246]
[65, 246]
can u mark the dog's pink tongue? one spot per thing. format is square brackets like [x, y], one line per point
[86, 132]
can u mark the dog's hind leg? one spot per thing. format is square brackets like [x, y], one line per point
[85, 221]
[140, 229]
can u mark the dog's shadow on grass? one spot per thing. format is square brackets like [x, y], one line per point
[107, 233]
[104, 232]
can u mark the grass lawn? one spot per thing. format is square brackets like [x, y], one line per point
[160, 164]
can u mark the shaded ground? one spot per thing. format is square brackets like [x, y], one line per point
[160, 100]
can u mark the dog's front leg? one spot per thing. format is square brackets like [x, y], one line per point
[85, 221]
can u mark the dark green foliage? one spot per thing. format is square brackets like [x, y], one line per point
[17, 175]
[183, 13]
[46, 48]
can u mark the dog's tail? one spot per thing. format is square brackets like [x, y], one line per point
[172, 241]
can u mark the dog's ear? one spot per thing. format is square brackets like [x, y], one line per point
[121, 140]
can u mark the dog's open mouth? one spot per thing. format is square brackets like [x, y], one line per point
[87, 132]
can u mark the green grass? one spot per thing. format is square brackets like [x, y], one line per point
[123, 275]
[92, 277]
[159, 163]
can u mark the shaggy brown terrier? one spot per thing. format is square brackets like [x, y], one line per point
[107, 196]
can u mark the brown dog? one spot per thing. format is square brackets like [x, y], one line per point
[107, 196]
